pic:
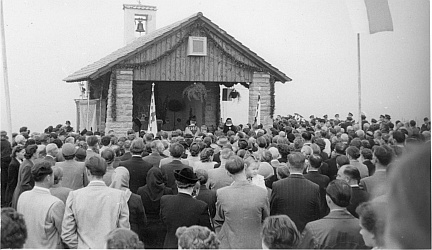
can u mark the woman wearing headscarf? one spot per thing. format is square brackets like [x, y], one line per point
[151, 193]
[109, 156]
[137, 217]
[25, 180]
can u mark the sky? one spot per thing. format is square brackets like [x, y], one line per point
[311, 41]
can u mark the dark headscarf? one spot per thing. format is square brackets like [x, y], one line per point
[155, 184]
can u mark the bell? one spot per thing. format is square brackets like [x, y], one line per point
[140, 27]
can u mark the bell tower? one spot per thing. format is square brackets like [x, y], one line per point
[138, 20]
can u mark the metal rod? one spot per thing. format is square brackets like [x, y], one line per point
[5, 73]
[359, 81]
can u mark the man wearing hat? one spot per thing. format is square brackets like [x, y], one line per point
[94, 211]
[311, 117]
[43, 212]
[336, 119]
[74, 172]
[182, 209]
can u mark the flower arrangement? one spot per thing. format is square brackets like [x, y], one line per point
[234, 94]
[195, 91]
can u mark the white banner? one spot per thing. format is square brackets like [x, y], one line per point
[87, 110]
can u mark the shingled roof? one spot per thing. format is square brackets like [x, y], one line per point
[104, 65]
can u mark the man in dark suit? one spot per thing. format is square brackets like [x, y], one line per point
[137, 167]
[176, 151]
[351, 175]
[296, 196]
[366, 158]
[339, 229]
[205, 194]
[331, 170]
[182, 209]
[321, 180]
[155, 157]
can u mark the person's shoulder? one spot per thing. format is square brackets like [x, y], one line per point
[279, 183]
[313, 226]
[309, 183]
[368, 178]
[135, 198]
[168, 197]
[322, 176]
[224, 190]
[199, 203]
[140, 190]
[56, 201]
[124, 163]
[258, 191]
[65, 189]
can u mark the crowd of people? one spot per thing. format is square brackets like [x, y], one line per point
[317, 183]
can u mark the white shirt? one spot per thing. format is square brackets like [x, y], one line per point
[258, 180]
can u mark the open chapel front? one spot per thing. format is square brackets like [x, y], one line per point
[122, 81]
[173, 109]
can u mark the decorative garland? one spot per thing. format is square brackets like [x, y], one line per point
[157, 59]
[237, 63]
[113, 95]
[272, 96]
[207, 32]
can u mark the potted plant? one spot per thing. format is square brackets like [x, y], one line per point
[195, 91]
[234, 94]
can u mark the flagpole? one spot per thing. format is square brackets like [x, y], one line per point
[359, 81]
[5, 72]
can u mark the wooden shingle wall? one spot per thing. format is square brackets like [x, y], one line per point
[177, 66]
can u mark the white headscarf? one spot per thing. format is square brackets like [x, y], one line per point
[120, 180]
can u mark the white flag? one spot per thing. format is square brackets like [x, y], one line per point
[258, 111]
[370, 16]
[152, 123]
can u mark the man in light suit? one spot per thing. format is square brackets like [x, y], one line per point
[376, 184]
[86, 222]
[43, 213]
[339, 229]
[74, 172]
[52, 151]
[217, 177]
[93, 146]
[295, 195]
[182, 210]
[240, 209]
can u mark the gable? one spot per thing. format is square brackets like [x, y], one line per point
[161, 55]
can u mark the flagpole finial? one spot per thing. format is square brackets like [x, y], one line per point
[153, 84]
